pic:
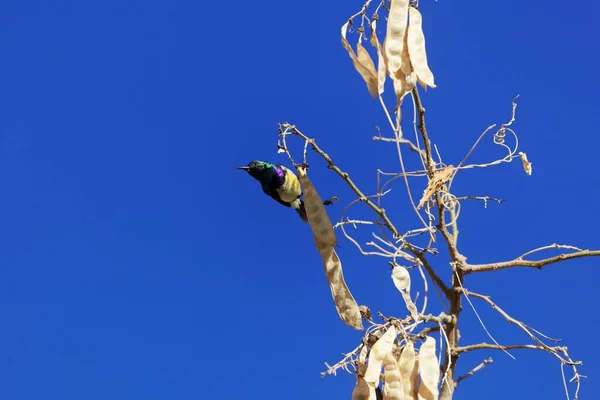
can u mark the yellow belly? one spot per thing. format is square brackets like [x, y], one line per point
[290, 190]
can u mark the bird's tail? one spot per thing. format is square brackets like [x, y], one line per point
[301, 211]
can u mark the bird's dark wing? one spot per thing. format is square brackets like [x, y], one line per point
[274, 195]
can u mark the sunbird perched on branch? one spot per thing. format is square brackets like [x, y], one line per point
[280, 183]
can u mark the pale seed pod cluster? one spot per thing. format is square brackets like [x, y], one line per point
[402, 56]
[325, 241]
[400, 375]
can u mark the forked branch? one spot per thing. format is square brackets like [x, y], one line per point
[529, 331]
[286, 129]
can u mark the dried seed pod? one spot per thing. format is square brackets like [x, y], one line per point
[411, 81]
[373, 39]
[394, 48]
[392, 382]
[382, 347]
[526, 164]
[429, 371]
[365, 59]
[408, 367]
[394, 38]
[440, 177]
[400, 87]
[362, 360]
[362, 391]
[416, 49]
[361, 63]
[315, 211]
[381, 60]
[406, 67]
[345, 304]
[381, 69]
[401, 279]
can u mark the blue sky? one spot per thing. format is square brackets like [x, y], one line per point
[137, 265]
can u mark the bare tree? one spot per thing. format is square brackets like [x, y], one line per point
[404, 346]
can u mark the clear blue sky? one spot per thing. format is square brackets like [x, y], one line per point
[135, 264]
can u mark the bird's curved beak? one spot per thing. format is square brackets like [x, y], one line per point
[245, 168]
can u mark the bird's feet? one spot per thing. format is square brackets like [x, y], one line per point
[303, 165]
[329, 202]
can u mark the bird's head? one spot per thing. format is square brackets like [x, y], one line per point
[257, 168]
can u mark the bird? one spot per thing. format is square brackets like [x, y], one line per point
[279, 182]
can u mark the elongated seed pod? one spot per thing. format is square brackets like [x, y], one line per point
[429, 371]
[345, 304]
[401, 279]
[315, 211]
[394, 37]
[416, 49]
[365, 59]
[406, 67]
[407, 365]
[381, 61]
[383, 346]
[362, 361]
[392, 382]
[394, 48]
[381, 70]
[362, 63]
[362, 391]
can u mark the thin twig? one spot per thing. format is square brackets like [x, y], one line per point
[550, 247]
[410, 144]
[477, 314]
[554, 351]
[474, 370]
[489, 346]
[520, 262]
[425, 288]
[480, 198]
[348, 359]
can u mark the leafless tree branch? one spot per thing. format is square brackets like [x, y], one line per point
[491, 346]
[521, 262]
[457, 260]
[485, 199]
[410, 144]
